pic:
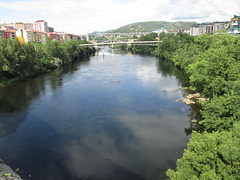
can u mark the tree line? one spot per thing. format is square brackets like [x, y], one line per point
[21, 61]
[212, 63]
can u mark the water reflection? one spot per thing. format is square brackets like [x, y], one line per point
[113, 117]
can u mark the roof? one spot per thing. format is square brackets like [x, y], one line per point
[9, 30]
[40, 21]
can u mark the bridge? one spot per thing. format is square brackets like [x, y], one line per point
[113, 36]
[120, 43]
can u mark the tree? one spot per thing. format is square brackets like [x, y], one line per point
[210, 156]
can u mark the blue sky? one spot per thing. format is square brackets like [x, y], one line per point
[85, 16]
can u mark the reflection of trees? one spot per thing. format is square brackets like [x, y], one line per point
[16, 98]
[166, 68]
[194, 114]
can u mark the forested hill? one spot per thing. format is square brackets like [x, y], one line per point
[153, 25]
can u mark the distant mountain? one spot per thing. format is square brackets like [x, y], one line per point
[153, 25]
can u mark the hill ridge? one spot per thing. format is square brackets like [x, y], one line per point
[149, 26]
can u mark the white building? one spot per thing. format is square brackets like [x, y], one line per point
[40, 26]
[158, 31]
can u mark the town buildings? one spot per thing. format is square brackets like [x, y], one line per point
[207, 28]
[34, 32]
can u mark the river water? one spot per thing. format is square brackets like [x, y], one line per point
[107, 117]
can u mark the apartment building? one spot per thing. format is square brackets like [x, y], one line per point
[28, 26]
[19, 25]
[207, 28]
[40, 26]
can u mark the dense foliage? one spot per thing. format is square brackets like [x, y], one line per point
[21, 61]
[210, 156]
[213, 66]
[212, 63]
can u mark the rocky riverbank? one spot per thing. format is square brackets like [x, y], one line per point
[6, 173]
[193, 99]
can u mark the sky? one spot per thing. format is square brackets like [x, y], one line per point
[85, 16]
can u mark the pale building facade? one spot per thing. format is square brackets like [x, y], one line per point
[40, 26]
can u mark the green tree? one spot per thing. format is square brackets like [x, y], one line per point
[210, 156]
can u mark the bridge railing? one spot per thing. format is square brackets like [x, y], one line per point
[154, 43]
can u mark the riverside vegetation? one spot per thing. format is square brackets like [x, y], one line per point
[212, 63]
[22, 61]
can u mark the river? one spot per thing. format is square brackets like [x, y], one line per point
[111, 116]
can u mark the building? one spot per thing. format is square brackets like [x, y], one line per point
[173, 32]
[50, 29]
[61, 37]
[40, 26]
[158, 31]
[10, 34]
[187, 31]
[19, 25]
[53, 36]
[11, 26]
[68, 37]
[2, 33]
[235, 22]
[75, 37]
[28, 26]
[34, 32]
[234, 25]
[31, 36]
[207, 28]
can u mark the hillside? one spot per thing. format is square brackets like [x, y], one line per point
[153, 25]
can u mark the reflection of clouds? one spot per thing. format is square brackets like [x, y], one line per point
[137, 143]
[166, 129]
[164, 85]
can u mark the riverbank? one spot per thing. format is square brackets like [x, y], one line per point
[212, 64]
[6, 173]
[19, 62]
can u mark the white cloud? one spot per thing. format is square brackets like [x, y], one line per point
[83, 16]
